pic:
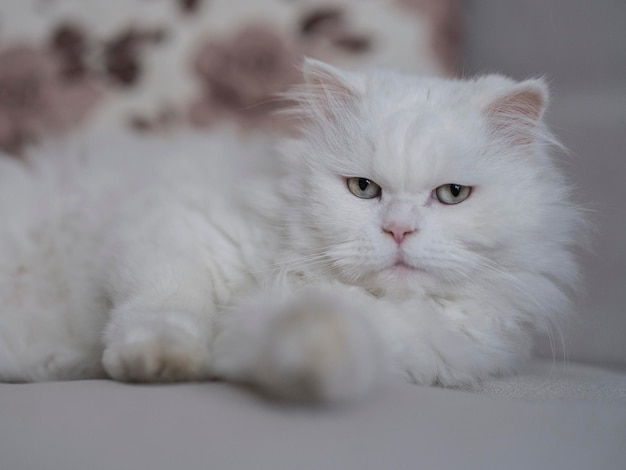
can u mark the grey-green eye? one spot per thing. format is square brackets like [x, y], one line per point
[363, 188]
[452, 193]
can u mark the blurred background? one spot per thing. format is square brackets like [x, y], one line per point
[155, 66]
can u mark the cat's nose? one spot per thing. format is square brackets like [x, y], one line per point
[398, 231]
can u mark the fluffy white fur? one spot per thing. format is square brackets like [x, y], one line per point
[190, 257]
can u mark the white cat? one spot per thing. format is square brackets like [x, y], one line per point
[418, 228]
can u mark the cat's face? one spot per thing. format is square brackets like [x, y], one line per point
[420, 185]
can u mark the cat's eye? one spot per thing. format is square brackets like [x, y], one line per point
[452, 193]
[363, 188]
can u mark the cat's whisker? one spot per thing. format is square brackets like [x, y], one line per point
[551, 323]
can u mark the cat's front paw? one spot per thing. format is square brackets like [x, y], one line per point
[315, 350]
[156, 351]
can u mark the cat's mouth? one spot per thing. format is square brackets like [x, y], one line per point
[402, 268]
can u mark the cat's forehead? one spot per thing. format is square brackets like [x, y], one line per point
[419, 142]
[414, 133]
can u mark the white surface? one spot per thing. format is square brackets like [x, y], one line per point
[106, 425]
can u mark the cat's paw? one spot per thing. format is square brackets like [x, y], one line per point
[156, 351]
[316, 350]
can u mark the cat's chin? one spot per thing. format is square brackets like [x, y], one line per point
[402, 270]
[399, 279]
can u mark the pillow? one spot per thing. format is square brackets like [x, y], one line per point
[161, 64]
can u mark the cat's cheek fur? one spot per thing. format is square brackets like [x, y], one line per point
[351, 239]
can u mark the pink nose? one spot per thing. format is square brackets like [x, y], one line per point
[398, 231]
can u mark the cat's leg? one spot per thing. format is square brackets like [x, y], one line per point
[321, 343]
[163, 278]
[157, 345]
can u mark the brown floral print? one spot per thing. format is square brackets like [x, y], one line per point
[241, 75]
[329, 25]
[36, 98]
[122, 54]
[52, 86]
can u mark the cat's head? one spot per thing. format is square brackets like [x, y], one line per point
[406, 184]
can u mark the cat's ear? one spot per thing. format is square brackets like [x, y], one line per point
[332, 91]
[515, 113]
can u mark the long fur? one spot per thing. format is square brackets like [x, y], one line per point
[189, 257]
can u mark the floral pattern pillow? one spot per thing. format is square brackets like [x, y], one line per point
[154, 65]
